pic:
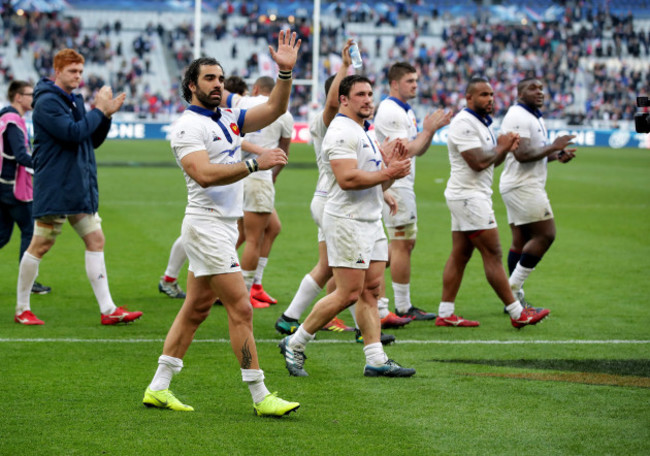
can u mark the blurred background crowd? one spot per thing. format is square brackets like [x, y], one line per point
[594, 56]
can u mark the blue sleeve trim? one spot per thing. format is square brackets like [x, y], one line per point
[240, 120]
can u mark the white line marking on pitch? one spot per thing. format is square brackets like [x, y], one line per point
[413, 342]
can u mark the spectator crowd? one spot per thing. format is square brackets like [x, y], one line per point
[594, 62]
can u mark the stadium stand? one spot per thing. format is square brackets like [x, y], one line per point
[593, 54]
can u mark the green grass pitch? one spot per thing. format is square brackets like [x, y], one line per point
[577, 384]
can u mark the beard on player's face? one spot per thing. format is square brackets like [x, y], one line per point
[208, 99]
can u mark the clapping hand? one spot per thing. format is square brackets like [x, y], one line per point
[436, 120]
[105, 102]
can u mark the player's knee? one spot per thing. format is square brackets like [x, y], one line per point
[200, 314]
[549, 238]
[350, 297]
[373, 288]
[241, 313]
[95, 243]
[48, 232]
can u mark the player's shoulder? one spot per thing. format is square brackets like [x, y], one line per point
[388, 105]
[462, 118]
[342, 127]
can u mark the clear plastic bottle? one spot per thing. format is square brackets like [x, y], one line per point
[355, 55]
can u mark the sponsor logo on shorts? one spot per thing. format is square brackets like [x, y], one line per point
[360, 260]
[233, 262]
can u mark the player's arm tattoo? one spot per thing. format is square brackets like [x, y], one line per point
[246, 357]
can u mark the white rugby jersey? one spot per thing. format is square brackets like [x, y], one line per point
[346, 139]
[528, 124]
[396, 119]
[468, 130]
[317, 129]
[269, 136]
[218, 133]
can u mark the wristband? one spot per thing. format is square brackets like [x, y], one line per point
[285, 74]
[252, 165]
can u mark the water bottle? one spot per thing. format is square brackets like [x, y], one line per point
[355, 55]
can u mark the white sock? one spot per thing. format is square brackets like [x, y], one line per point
[519, 276]
[307, 292]
[446, 309]
[177, 257]
[375, 355]
[248, 278]
[96, 272]
[353, 309]
[300, 338]
[402, 296]
[259, 273]
[27, 273]
[382, 306]
[515, 309]
[255, 380]
[168, 366]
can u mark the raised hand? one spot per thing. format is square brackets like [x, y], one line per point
[345, 55]
[287, 52]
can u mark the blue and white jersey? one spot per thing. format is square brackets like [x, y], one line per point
[528, 124]
[218, 133]
[396, 119]
[346, 139]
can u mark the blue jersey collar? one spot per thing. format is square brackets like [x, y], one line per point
[214, 115]
[536, 112]
[366, 124]
[405, 106]
[487, 120]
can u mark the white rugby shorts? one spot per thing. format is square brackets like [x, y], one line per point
[407, 213]
[527, 205]
[210, 244]
[317, 208]
[471, 214]
[259, 196]
[354, 243]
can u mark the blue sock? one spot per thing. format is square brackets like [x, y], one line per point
[513, 259]
[528, 261]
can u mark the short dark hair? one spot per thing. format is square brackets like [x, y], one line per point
[192, 74]
[235, 84]
[15, 87]
[524, 82]
[265, 84]
[349, 81]
[328, 84]
[475, 81]
[398, 70]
